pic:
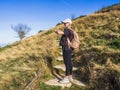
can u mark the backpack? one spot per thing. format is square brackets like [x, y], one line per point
[74, 43]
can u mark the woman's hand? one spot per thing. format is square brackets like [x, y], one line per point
[59, 32]
[56, 31]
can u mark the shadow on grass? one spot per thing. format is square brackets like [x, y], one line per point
[54, 72]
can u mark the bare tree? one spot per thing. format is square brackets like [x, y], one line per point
[21, 30]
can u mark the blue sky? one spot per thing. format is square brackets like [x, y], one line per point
[42, 14]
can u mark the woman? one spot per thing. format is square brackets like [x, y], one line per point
[67, 50]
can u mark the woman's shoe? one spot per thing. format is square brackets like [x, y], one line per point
[70, 78]
[64, 81]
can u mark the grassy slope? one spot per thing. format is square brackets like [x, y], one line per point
[98, 54]
[20, 61]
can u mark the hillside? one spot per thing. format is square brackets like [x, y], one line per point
[115, 7]
[98, 57]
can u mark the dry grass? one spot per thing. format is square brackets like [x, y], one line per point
[99, 50]
[19, 61]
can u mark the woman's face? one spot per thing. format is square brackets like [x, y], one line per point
[67, 25]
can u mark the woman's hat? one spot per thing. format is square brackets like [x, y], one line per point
[67, 21]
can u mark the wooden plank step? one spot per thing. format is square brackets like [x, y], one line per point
[55, 82]
[60, 47]
[61, 53]
[77, 82]
[57, 40]
[59, 58]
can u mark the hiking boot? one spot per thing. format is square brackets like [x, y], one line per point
[64, 81]
[70, 78]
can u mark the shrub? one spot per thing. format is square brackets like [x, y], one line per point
[115, 44]
[106, 79]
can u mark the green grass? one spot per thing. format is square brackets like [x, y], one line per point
[75, 87]
[18, 73]
[3, 48]
[116, 61]
[99, 40]
[43, 86]
[115, 44]
[48, 32]
[47, 76]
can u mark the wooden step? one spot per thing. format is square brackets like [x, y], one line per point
[77, 82]
[59, 58]
[60, 47]
[55, 82]
[62, 67]
[61, 53]
[57, 40]
[57, 45]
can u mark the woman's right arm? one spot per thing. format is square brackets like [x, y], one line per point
[59, 32]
